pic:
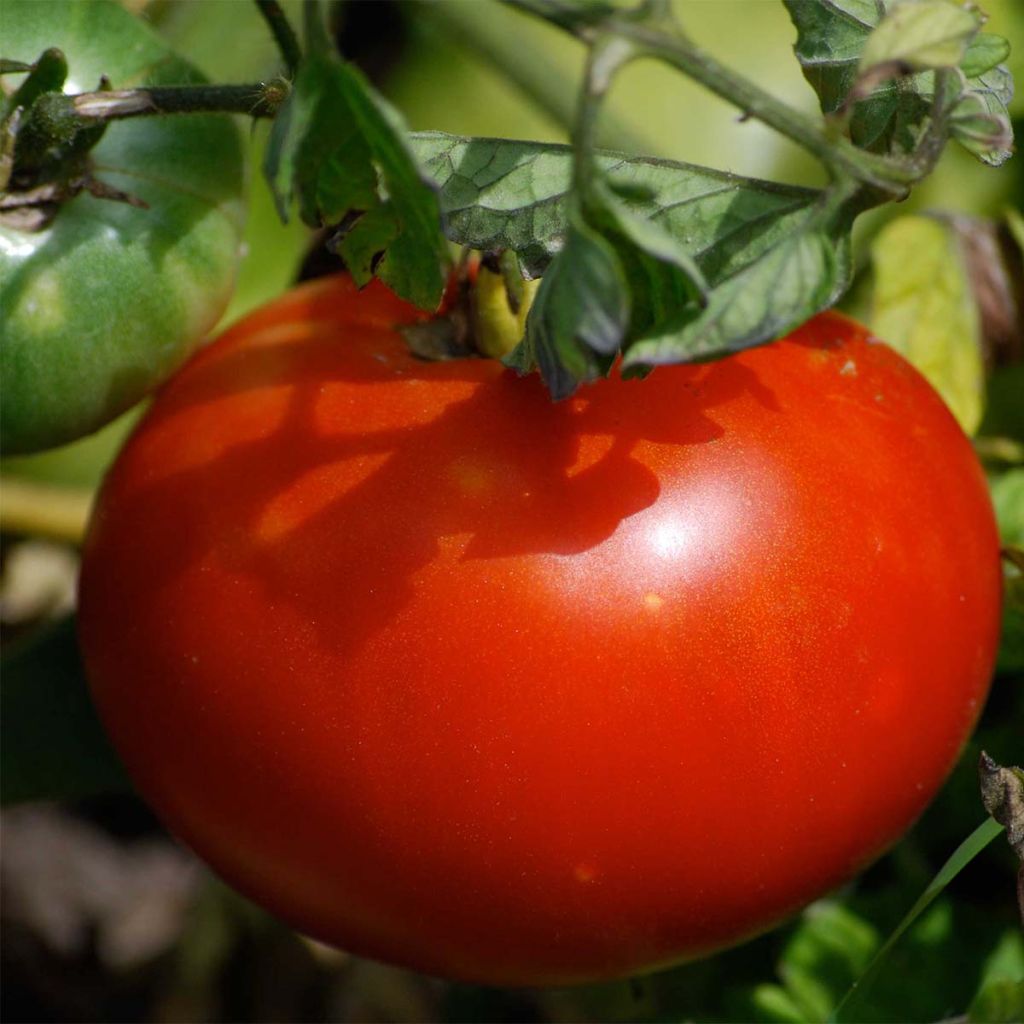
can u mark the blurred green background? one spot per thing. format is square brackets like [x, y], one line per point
[105, 919]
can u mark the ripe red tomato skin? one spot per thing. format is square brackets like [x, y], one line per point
[527, 693]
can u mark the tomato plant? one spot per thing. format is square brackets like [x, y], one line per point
[528, 692]
[105, 298]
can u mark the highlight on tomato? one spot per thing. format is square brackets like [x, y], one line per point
[533, 693]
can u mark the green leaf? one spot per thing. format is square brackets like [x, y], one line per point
[774, 1003]
[1008, 498]
[837, 39]
[663, 278]
[960, 858]
[921, 34]
[506, 194]
[342, 152]
[802, 275]
[670, 231]
[831, 36]
[923, 307]
[53, 746]
[979, 119]
[1011, 637]
[579, 316]
[1000, 998]
[985, 52]
[829, 950]
[1001, 1002]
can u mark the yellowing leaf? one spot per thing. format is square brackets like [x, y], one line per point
[924, 308]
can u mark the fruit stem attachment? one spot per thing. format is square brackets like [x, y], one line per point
[501, 301]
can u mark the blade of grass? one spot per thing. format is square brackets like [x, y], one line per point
[962, 856]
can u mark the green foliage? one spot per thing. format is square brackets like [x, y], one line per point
[579, 314]
[884, 58]
[341, 151]
[507, 194]
[52, 742]
[924, 307]
[826, 954]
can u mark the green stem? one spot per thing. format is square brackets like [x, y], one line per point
[486, 30]
[283, 33]
[255, 100]
[605, 57]
[662, 42]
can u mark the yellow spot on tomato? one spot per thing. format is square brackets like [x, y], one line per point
[585, 872]
[653, 602]
[473, 476]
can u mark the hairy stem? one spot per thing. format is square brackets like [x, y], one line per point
[546, 86]
[662, 40]
[255, 100]
[283, 33]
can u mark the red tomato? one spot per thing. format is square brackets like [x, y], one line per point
[529, 693]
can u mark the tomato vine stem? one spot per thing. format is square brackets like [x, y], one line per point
[65, 112]
[283, 33]
[655, 34]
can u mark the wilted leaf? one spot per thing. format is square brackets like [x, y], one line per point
[924, 308]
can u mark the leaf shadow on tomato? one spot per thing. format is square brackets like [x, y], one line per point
[333, 511]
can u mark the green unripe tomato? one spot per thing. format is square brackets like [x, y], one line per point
[103, 303]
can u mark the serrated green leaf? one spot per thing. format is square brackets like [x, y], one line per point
[802, 275]
[924, 308]
[921, 35]
[507, 194]
[832, 36]
[341, 151]
[985, 52]
[579, 316]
